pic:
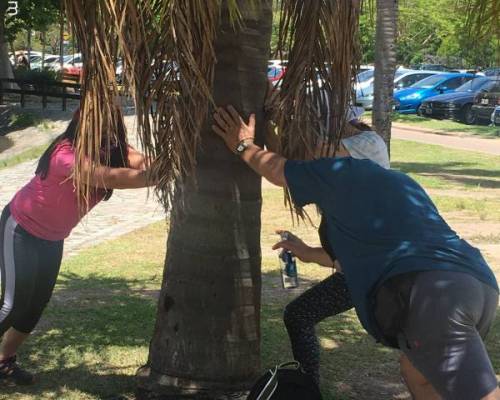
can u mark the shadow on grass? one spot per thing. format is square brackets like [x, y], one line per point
[96, 331]
[455, 172]
[352, 364]
[92, 338]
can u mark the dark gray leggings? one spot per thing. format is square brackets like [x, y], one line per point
[29, 267]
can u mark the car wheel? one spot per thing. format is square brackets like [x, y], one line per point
[468, 114]
[419, 111]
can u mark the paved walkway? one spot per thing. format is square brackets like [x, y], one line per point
[454, 141]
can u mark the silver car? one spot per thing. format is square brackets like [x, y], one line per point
[402, 79]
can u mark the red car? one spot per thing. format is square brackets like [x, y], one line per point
[73, 71]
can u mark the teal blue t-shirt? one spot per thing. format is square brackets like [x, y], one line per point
[380, 223]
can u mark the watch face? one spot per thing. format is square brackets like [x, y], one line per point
[241, 147]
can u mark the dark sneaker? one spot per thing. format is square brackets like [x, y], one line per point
[11, 373]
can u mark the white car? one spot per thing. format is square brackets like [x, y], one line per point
[403, 78]
[49, 59]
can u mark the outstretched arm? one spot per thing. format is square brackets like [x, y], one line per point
[233, 130]
[116, 178]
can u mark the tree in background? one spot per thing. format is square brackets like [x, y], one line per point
[385, 66]
[439, 32]
[32, 15]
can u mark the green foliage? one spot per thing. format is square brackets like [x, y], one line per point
[433, 31]
[37, 15]
[22, 122]
[41, 79]
[39, 76]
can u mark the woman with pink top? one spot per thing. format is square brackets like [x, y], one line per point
[32, 232]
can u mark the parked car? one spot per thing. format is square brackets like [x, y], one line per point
[485, 103]
[49, 59]
[363, 68]
[408, 101]
[458, 104]
[492, 72]
[69, 61]
[495, 116]
[403, 79]
[276, 70]
[431, 67]
[72, 66]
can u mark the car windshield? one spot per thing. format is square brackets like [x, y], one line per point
[363, 76]
[429, 82]
[473, 85]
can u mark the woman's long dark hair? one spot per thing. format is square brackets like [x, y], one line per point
[118, 157]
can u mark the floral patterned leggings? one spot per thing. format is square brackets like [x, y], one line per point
[328, 298]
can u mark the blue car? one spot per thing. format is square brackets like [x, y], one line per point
[408, 101]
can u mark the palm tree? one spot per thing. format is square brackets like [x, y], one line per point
[385, 66]
[180, 59]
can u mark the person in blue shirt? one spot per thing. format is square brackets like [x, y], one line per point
[414, 283]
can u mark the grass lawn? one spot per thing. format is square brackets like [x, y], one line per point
[96, 330]
[27, 155]
[441, 125]
[447, 125]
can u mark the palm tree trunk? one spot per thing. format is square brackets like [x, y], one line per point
[385, 66]
[207, 335]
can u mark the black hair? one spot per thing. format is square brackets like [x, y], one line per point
[69, 134]
[118, 154]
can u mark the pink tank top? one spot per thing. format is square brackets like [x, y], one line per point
[47, 208]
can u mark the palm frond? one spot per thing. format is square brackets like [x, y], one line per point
[320, 41]
[171, 84]
[101, 118]
[168, 54]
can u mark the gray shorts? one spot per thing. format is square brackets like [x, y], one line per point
[449, 314]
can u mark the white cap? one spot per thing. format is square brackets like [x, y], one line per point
[368, 145]
[354, 112]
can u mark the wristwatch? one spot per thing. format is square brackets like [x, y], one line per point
[242, 146]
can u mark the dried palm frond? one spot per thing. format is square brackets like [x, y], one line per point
[320, 39]
[172, 83]
[101, 118]
[168, 53]
[168, 59]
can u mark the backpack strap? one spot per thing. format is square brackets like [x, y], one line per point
[270, 386]
[289, 365]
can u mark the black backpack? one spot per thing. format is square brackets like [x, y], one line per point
[285, 382]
